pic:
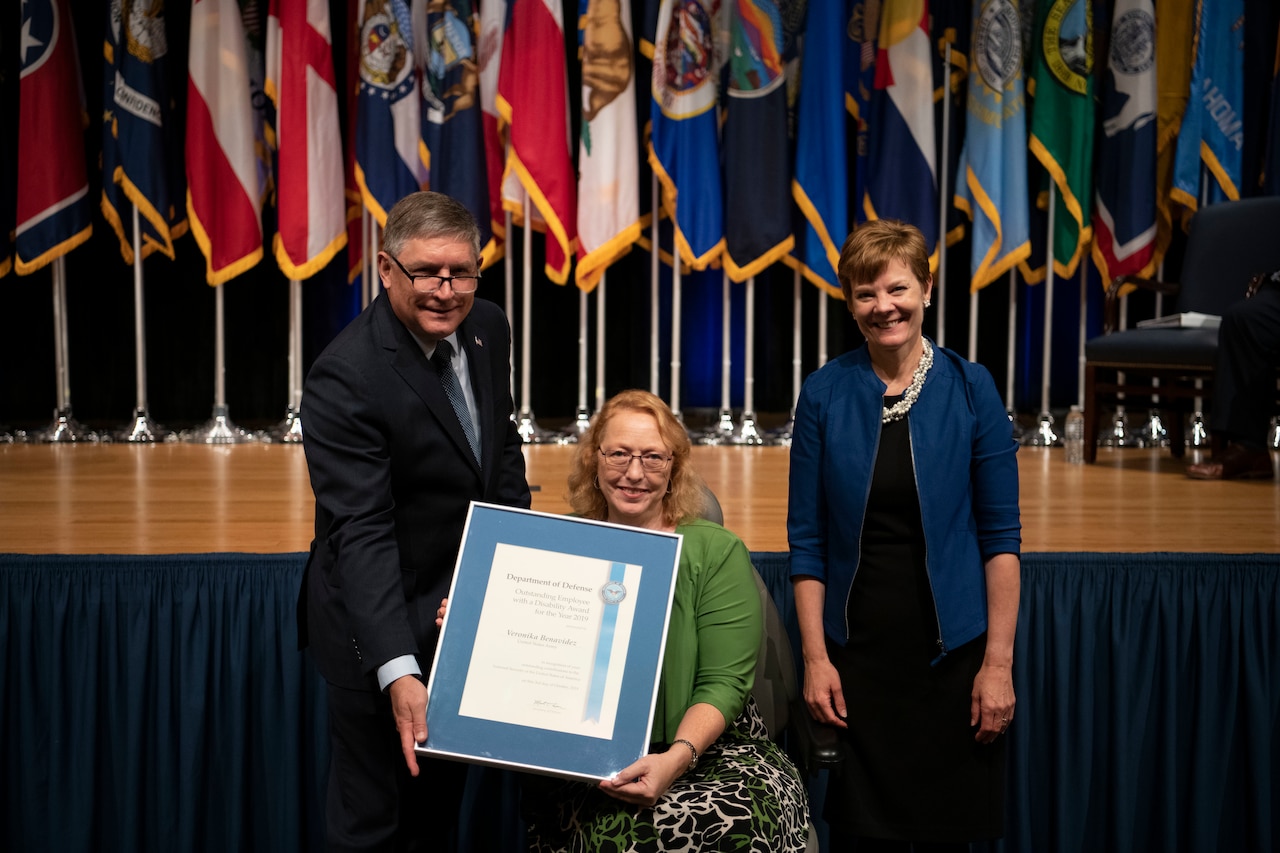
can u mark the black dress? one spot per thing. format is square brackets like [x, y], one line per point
[915, 771]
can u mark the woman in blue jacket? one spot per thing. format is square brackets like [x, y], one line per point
[904, 532]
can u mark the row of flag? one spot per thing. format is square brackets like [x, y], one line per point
[774, 126]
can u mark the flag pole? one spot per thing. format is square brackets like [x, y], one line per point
[219, 429]
[1084, 310]
[366, 259]
[528, 427]
[1119, 435]
[973, 327]
[509, 283]
[1154, 432]
[675, 333]
[782, 436]
[290, 429]
[1198, 435]
[143, 429]
[600, 329]
[1011, 350]
[65, 428]
[1044, 436]
[823, 298]
[747, 432]
[723, 430]
[654, 276]
[582, 416]
[940, 292]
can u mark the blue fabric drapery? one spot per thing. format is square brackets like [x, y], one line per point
[159, 703]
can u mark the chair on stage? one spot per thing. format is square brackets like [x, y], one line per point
[813, 746]
[810, 744]
[1227, 244]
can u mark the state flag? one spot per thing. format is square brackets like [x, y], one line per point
[1124, 219]
[820, 185]
[452, 120]
[1175, 37]
[391, 159]
[608, 144]
[533, 101]
[310, 219]
[684, 141]
[52, 193]
[224, 185]
[1212, 133]
[991, 184]
[141, 164]
[757, 160]
[1062, 120]
[902, 180]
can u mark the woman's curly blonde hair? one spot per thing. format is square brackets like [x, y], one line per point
[685, 496]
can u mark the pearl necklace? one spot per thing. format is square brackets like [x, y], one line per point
[899, 410]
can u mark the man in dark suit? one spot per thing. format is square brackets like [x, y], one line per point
[398, 443]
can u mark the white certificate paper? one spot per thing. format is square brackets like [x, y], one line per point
[551, 642]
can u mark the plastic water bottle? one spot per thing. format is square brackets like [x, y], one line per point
[1073, 436]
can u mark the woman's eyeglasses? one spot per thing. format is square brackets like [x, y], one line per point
[622, 459]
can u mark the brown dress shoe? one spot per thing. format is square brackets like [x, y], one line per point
[1237, 462]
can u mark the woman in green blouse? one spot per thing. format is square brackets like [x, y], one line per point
[712, 779]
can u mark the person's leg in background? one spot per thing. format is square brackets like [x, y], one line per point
[1244, 388]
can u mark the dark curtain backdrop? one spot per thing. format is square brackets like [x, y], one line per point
[159, 703]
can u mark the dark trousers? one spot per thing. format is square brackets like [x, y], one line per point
[372, 802]
[1245, 374]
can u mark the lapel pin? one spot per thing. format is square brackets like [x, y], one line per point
[479, 342]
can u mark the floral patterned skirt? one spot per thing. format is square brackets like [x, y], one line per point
[745, 794]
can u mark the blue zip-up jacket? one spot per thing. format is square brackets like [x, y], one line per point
[966, 471]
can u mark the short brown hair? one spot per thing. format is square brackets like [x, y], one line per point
[871, 246]
[685, 498]
[428, 214]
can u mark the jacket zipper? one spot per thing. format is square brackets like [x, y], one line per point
[915, 476]
[862, 526]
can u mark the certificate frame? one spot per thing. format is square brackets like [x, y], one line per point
[585, 710]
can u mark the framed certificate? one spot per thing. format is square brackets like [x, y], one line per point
[551, 650]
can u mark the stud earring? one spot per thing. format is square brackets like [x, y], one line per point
[927, 303]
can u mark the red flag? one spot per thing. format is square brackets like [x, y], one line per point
[53, 185]
[533, 101]
[222, 167]
[311, 225]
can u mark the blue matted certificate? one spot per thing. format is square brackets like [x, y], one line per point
[551, 650]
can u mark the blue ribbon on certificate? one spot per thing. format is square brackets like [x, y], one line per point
[613, 593]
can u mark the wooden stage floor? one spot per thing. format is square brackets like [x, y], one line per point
[255, 498]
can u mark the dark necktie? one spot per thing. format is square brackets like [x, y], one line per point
[441, 358]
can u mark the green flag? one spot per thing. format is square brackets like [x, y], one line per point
[1062, 119]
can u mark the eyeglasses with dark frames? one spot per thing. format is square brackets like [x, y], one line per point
[430, 283]
[622, 459]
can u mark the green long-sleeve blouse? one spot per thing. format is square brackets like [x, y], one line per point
[714, 635]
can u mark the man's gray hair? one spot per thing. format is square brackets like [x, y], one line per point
[428, 214]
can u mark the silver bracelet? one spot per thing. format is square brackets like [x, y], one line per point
[693, 762]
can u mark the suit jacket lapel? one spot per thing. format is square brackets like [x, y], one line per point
[420, 375]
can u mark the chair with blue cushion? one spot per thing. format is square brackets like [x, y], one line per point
[1227, 244]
